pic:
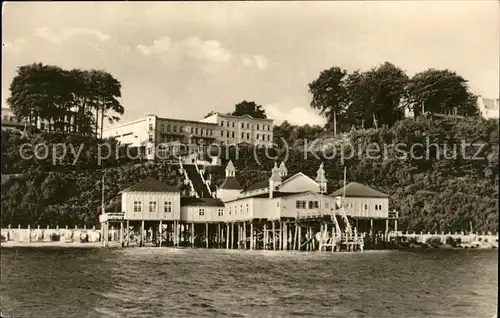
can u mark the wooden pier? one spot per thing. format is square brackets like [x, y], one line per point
[285, 234]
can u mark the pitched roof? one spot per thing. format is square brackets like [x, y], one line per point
[355, 189]
[192, 201]
[276, 194]
[259, 185]
[265, 183]
[230, 183]
[151, 185]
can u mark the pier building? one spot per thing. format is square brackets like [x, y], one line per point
[281, 213]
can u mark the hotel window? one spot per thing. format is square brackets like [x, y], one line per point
[242, 135]
[222, 123]
[233, 124]
[152, 206]
[247, 208]
[300, 204]
[168, 207]
[257, 137]
[196, 131]
[241, 209]
[137, 206]
[230, 210]
[248, 126]
[201, 212]
[174, 128]
[268, 137]
[222, 134]
[313, 204]
[150, 151]
[220, 212]
[162, 128]
[227, 134]
[242, 125]
[376, 207]
[248, 136]
[366, 207]
[150, 138]
[150, 126]
[232, 134]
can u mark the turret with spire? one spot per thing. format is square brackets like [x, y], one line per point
[230, 170]
[321, 179]
[229, 189]
[283, 170]
[274, 180]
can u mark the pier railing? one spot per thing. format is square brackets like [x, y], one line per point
[473, 238]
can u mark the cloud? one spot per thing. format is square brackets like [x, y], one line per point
[203, 50]
[15, 46]
[257, 61]
[193, 47]
[295, 116]
[69, 33]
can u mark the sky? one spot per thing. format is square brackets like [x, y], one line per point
[185, 59]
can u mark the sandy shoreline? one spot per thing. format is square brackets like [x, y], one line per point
[56, 244]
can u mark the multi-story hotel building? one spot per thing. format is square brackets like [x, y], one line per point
[245, 128]
[162, 136]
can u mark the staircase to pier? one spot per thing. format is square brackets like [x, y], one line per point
[199, 186]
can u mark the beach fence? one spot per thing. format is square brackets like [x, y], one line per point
[470, 239]
[64, 235]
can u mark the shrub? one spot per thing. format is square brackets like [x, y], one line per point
[436, 241]
[55, 237]
[451, 241]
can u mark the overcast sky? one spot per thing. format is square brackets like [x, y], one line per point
[184, 59]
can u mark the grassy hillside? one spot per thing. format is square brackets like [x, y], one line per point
[431, 193]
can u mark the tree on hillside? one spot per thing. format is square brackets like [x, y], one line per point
[329, 94]
[249, 108]
[375, 96]
[67, 100]
[441, 92]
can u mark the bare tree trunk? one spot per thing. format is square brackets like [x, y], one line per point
[96, 121]
[335, 124]
[102, 120]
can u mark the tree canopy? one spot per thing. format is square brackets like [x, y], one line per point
[74, 100]
[441, 91]
[249, 108]
[379, 97]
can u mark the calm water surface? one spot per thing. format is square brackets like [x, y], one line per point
[73, 282]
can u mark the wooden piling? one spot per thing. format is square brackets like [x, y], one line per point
[206, 235]
[299, 238]
[232, 235]
[160, 231]
[121, 233]
[280, 236]
[264, 237]
[274, 235]
[251, 235]
[142, 233]
[227, 236]
[245, 235]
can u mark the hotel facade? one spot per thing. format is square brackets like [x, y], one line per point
[162, 136]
